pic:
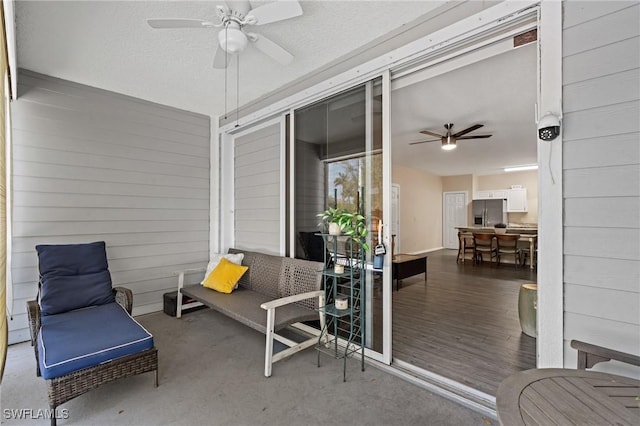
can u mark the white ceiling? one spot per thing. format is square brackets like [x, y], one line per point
[499, 92]
[109, 45]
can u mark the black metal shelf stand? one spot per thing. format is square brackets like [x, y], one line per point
[343, 331]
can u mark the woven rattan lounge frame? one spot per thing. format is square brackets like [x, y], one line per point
[64, 388]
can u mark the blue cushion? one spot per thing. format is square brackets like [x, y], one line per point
[73, 276]
[61, 294]
[83, 338]
[71, 259]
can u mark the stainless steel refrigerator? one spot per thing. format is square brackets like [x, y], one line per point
[489, 212]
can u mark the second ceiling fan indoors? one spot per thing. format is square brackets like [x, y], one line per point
[233, 37]
[449, 140]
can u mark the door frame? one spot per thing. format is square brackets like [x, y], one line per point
[549, 24]
[444, 212]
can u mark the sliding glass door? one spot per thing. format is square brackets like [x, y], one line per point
[338, 157]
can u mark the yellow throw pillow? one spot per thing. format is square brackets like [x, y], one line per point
[225, 276]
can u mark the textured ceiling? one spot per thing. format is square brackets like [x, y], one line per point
[499, 92]
[109, 45]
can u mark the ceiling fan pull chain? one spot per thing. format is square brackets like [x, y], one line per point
[237, 89]
[226, 58]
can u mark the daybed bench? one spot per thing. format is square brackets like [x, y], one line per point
[289, 287]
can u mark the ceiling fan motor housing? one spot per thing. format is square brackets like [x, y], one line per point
[232, 39]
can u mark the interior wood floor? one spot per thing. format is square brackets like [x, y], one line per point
[463, 323]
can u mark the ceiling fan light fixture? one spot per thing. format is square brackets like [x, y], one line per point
[448, 144]
[232, 40]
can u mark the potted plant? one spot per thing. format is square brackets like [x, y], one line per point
[341, 221]
[500, 228]
[331, 220]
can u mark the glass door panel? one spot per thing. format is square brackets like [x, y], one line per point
[338, 162]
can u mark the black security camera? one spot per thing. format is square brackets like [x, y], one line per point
[549, 127]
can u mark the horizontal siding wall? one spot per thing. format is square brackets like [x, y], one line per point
[601, 103]
[257, 190]
[93, 165]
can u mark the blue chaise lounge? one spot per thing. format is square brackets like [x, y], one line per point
[81, 328]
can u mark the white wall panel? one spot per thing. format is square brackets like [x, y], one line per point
[92, 165]
[577, 12]
[588, 153]
[596, 212]
[601, 154]
[614, 305]
[621, 56]
[611, 181]
[610, 243]
[607, 90]
[257, 190]
[603, 29]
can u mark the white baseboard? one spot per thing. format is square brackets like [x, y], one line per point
[426, 251]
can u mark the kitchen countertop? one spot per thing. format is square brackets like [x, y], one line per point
[510, 229]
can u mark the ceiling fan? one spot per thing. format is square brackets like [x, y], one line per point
[449, 140]
[233, 38]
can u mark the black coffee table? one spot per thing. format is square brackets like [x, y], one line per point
[408, 265]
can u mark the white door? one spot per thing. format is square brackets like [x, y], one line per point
[455, 214]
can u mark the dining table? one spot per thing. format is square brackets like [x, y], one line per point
[561, 396]
[529, 235]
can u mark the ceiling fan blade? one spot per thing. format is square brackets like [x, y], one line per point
[419, 142]
[474, 137]
[219, 60]
[427, 132]
[178, 23]
[468, 129]
[276, 11]
[270, 48]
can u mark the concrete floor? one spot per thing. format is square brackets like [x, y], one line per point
[211, 372]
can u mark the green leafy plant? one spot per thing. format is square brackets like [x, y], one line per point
[353, 225]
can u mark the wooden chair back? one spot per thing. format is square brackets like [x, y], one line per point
[507, 241]
[483, 241]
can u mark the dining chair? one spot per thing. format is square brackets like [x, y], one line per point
[483, 243]
[465, 245]
[507, 245]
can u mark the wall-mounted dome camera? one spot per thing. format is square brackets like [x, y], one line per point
[549, 127]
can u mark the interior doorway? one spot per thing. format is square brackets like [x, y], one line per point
[463, 324]
[454, 213]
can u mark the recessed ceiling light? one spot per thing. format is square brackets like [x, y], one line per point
[521, 168]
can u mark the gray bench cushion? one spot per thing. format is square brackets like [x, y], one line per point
[244, 306]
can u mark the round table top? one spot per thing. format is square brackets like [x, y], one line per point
[558, 396]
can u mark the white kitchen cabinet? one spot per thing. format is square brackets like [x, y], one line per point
[491, 194]
[517, 200]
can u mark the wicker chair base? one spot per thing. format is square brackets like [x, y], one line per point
[64, 388]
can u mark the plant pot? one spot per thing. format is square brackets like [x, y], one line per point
[334, 229]
[500, 231]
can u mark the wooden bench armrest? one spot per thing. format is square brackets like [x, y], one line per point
[190, 271]
[589, 355]
[181, 275]
[291, 299]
